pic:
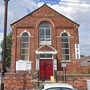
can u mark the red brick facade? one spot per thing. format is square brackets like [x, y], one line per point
[31, 22]
[59, 24]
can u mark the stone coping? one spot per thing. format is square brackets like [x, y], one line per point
[16, 74]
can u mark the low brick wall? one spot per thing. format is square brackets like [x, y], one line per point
[78, 81]
[19, 81]
[25, 81]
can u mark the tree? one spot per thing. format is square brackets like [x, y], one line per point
[8, 52]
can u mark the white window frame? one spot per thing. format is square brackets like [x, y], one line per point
[77, 51]
[65, 48]
[45, 42]
[28, 45]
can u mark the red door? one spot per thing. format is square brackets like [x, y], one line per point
[46, 69]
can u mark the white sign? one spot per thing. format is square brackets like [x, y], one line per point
[55, 64]
[23, 65]
[37, 64]
[63, 65]
[77, 51]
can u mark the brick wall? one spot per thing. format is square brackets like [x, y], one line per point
[77, 81]
[25, 81]
[19, 81]
[75, 68]
[31, 23]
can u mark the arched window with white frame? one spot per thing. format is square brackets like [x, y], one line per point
[65, 46]
[45, 34]
[25, 41]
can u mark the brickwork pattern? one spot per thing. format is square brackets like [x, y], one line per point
[30, 23]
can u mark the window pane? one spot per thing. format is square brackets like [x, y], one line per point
[41, 39]
[24, 45]
[24, 57]
[44, 24]
[48, 39]
[41, 31]
[25, 34]
[65, 57]
[64, 34]
[47, 36]
[45, 55]
[24, 39]
[64, 39]
[65, 45]
[65, 51]
[47, 31]
[41, 36]
[44, 31]
[24, 51]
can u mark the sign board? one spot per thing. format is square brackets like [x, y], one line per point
[37, 64]
[23, 65]
[63, 65]
[55, 64]
[77, 51]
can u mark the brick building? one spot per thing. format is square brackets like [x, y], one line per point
[41, 42]
[44, 36]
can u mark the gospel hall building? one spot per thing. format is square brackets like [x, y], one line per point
[42, 42]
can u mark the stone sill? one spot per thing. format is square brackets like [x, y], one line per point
[17, 74]
[65, 61]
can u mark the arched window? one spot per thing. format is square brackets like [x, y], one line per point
[45, 37]
[25, 46]
[65, 46]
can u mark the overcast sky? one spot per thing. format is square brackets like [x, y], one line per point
[77, 10]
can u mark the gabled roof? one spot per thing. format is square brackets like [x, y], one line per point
[44, 5]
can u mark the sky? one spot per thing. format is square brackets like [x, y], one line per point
[76, 10]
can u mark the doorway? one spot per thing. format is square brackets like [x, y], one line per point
[46, 67]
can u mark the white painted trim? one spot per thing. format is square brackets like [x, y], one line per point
[20, 36]
[65, 32]
[45, 42]
[24, 32]
[45, 58]
[68, 43]
[29, 43]
[46, 52]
